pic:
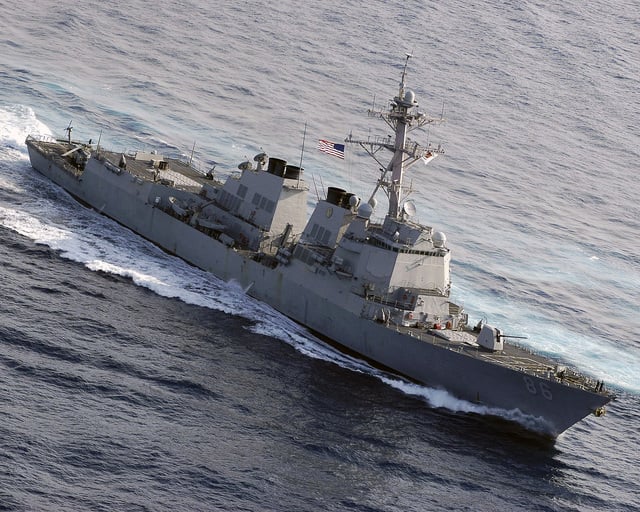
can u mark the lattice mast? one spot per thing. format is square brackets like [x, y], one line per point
[402, 117]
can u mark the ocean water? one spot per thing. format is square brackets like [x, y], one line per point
[132, 381]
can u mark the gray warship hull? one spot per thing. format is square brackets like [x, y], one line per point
[322, 300]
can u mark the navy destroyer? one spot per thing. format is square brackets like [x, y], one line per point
[379, 288]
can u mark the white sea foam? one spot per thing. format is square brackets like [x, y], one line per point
[283, 328]
[439, 398]
[16, 122]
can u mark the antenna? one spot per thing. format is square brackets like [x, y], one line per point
[315, 185]
[404, 73]
[68, 129]
[192, 150]
[304, 136]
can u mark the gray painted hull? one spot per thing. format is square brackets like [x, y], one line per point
[328, 309]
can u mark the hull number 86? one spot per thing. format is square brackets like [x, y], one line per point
[542, 388]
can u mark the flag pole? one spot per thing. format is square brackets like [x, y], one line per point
[304, 136]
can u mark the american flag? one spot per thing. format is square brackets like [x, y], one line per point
[326, 146]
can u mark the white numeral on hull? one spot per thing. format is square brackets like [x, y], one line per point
[543, 388]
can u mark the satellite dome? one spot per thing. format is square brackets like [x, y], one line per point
[409, 208]
[373, 202]
[439, 239]
[409, 97]
[365, 210]
[354, 201]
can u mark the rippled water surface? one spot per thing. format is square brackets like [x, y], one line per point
[132, 381]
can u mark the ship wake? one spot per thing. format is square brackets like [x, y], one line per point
[146, 266]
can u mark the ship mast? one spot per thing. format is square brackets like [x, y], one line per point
[403, 117]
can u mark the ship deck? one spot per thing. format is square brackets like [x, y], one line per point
[53, 150]
[513, 356]
[174, 172]
[171, 171]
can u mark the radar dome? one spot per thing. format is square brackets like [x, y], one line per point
[409, 97]
[409, 208]
[365, 210]
[373, 202]
[439, 239]
[353, 201]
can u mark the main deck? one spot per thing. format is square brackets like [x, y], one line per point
[146, 166]
[513, 356]
[157, 168]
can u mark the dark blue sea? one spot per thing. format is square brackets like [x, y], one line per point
[131, 381]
